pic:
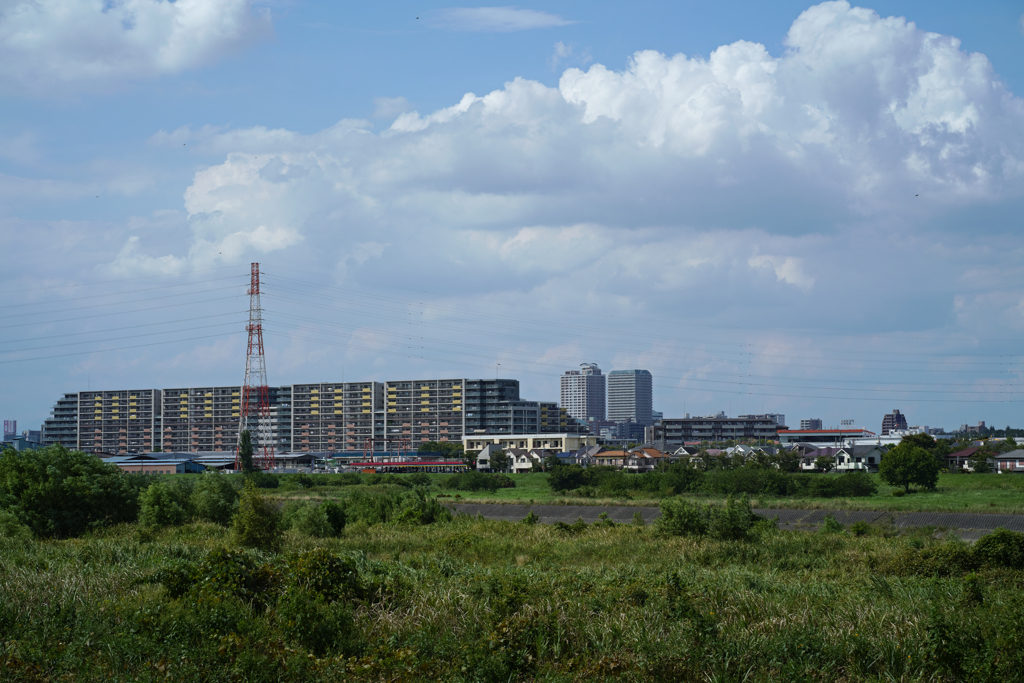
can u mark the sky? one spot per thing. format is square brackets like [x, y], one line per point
[813, 210]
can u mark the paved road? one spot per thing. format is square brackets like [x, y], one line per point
[967, 526]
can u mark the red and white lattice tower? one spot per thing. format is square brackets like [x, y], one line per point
[255, 405]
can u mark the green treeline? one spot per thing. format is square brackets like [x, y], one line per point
[679, 478]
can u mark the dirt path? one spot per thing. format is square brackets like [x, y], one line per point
[967, 526]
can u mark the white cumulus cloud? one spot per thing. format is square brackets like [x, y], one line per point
[53, 46]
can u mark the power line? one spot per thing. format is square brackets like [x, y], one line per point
[107, 282]
[134, 291]
[120, 348]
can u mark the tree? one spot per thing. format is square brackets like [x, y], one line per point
[164, 503]
[245, 452]
[61, 493]
[499, 461]
[980, 462]
[258, 522]
[825, 463]
[907, 464]
[214, 499]
[786, 461]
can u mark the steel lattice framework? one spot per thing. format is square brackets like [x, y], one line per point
[255, 404]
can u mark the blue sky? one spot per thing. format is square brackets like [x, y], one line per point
[785, 207]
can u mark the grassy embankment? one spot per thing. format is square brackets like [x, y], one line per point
[476, 600]
[1002, 493]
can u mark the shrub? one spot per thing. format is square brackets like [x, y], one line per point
[531, 518]
[1001, 548]
[303, 480]
[415, 507]
[257, 524]
[164, 503]
[311, 520]
[831, 525]
[419, 479]
[319, 626]
[749, 480]
[264, 480]
[680, 518]
[734, 522]
[946, 559]
[473, 480]
[566, 477]
[325, 574]
[335, 515]
[56, 492]
[860, 528]
[214, 498]
[221, 572]
[11, 526]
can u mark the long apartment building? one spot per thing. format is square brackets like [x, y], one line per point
[677, 431]
[319, 417]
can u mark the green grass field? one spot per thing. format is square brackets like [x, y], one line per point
[474, 600]
[1002, 493]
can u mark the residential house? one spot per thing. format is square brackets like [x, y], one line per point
[1010, 462]
[961, 459]
[644, 459]
[611, 459]
[859, 458]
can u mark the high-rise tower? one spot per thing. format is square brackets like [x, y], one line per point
[255, 404]
[630, 396]
[583, 392]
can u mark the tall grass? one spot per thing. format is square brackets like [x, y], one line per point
[475, 600]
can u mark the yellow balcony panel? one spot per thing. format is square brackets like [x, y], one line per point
[234, 414]
[314, 412]
[392, 410]
[133, 396]
[337, 412]
[365, 389]
[234, 393]
[424, 402]
[456, 407]
[314, 391]
[456, 400]
[132, 417]
[424, 410]
[365, 410]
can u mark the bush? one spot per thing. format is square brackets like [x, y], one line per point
[214, 498]
[335, 515]
[221, 573]
[164, 503]
[11, 526]
[61, 493]
[419, 479]
[681, 518]
[860, 528]
[311, 520]
[566, 477]
[749, 480]
[1001, 548]
[734, 522]
[263, 480]
[406, 507]
[303, 480]
[325, 574]
[319, 626]
[831, 525]
[257, 524]
[473, 480]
